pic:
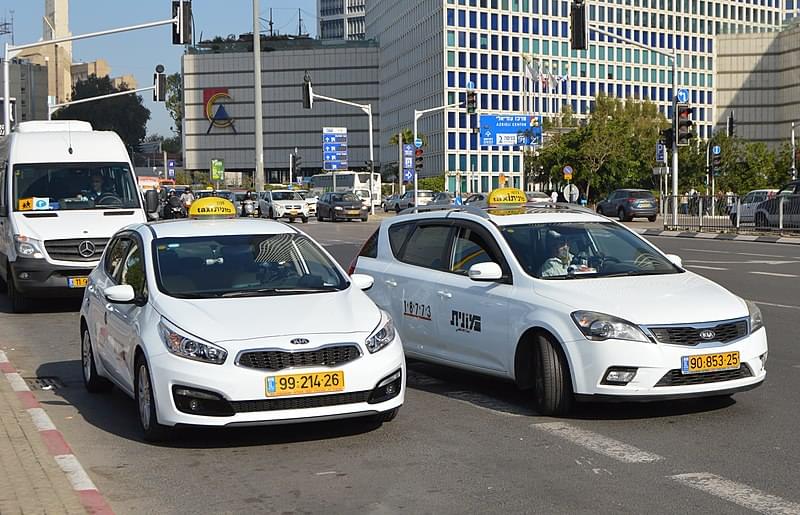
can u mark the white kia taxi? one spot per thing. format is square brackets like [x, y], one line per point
[562, 301]
[225, 322]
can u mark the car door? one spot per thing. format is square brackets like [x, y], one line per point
[420, 253]
[474, 330]
[123, 318]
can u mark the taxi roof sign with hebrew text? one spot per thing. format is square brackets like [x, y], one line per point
[212, 207]
[506, 197]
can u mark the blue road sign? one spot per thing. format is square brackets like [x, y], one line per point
[408, 149]
[171, 168]
[716, 150]
[334, 148]
[661, 153]
[470, 85]
[418, 143]
[458, 201]
[334, 165]
[334, 138]
[683, 95]
[510, 130]
[408, 175]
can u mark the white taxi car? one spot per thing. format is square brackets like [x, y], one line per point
[283, 204]
[198, 321]
[560, 300]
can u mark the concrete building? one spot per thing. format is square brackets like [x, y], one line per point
[758, 79]
[341, 19]
[28, 87]
[57, 58]
[101, 68]
[218, 102]
[431, 49]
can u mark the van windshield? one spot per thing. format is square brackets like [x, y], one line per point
[67, 186]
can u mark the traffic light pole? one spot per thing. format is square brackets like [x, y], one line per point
[52, 108]
[794, 155]
[258, 109]
[417, 115]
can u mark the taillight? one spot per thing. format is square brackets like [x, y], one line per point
[630, 200]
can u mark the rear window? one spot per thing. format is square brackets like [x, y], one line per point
[425, 194]
[370, 248]
[639, 194]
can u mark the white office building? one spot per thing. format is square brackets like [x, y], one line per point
[432, 49]
[341, 19]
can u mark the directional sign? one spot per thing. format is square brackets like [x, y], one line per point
[470, 85]
[716, 150]
[418, 143]
[408, 163]
[334, 165]
[408, 175]
[682, 95]
[334, 148]
[171, 168]
[510, 130]
[661, 153]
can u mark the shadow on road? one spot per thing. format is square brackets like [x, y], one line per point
[42, 306]
[116, 413]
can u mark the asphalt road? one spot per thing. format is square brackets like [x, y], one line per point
[462, 442]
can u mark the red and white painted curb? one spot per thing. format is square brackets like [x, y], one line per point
[87, 492]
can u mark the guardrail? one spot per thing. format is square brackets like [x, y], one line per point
[727, 213]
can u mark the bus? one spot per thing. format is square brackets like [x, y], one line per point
[357, 182]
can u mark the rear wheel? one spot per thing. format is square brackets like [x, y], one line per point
[91, 380]
[651, 218]
[553, 387]
[145, 401]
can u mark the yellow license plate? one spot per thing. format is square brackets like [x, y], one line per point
[353, 212]
[302, 384]
[77, 282]
[710, 362]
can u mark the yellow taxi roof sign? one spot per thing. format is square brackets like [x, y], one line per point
[212, 207]
[506, 197]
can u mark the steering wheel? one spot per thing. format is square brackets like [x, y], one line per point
[645, 261]
[108, 199]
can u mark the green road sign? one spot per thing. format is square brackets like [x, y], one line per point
[217, 169]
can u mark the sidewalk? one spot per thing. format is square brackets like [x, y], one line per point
[38, 472]
[656, 228]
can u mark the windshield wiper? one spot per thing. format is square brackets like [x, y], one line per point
[632, 273]
[276, 291]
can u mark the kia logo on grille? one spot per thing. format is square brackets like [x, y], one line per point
[707, 334]
[86, 249]
[299, 341]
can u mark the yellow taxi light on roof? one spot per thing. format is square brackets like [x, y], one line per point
[212, 207]
[506, 197]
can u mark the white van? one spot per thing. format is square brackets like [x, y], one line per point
[65, 189]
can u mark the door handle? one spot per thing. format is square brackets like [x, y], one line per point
[445, 294]
[391, 283]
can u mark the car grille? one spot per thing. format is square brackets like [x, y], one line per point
[724, 332]
[278, 360]
[676, 378]
[67, 250]
[314, 401]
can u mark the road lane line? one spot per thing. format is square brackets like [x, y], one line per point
[738, 493]
[787, 306]
[598, 443]
[702, 267]
[774, 274]
[735, 253]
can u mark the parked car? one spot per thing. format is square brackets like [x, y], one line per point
[768, 213]
[341, 206]
[389, 202]
[749, 203]
[424, 197]
[628, 204]
[311, 201]
[537, 196]
[476, 199]
[283, 204]
[442, 199]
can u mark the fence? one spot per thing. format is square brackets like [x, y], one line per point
[727, 213]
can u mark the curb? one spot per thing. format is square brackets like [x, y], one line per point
[719, 236]
[54, 441]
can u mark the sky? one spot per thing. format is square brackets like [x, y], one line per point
[140, 51]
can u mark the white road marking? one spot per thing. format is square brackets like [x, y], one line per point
[738, 493]
[706, 267]
[787, 306]
[773, 274]
[77, 476]
[487, 403]
[599, 443]
[734, 253]
[326, 473]
[41, 420]
[3, 358]
[17, 383]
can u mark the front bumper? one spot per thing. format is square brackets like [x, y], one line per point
[40, 278]
[242, 390]
[347, 214]
[658, 366]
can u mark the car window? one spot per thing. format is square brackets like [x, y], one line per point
[469, 248]
[398, 234]
[370, 248]
[640, 194]
[427, 247]
[750, 197]
[115, 255]
[132, 272]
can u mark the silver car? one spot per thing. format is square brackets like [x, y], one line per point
[424, 197]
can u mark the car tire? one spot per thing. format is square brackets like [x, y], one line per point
[600, 211]
[386, 416]
[553, 386]
[621, 216]
[651, 218]
[761, 220]
[146, 405]
[19, 303]
[364, 219]
[397, 208]
[91, 379]
[304, 219]
[319, 217]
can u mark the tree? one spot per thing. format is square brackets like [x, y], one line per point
[408, 137]
[174, 101]
[124, 114]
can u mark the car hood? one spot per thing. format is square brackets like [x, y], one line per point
[288, 202]
[217, 320]
[648, 300]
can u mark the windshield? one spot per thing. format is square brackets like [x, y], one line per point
[583, 250]
[243, 265]
[346, 197]
[362, 193]
[302, 194]
[63, 186]
[285, 195]
[227, 195]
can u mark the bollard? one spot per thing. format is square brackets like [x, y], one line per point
[738, 211]
[700, 211]
[780, 213]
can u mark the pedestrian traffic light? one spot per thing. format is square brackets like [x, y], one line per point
[472, 101]
[298, 162]
[684, 124]
[418, 160]
[579, 30]
[160, 83]
[182, 24]
[731, 126]
[308, 93]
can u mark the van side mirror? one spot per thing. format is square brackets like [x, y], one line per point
[151, 202]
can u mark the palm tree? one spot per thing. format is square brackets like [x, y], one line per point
[408, 137]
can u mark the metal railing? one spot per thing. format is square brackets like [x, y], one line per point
[727, 213]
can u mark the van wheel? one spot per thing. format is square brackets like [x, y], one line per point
[19, 303]
[305, 219]
[553, 386]
[91, 380]
[146, 404]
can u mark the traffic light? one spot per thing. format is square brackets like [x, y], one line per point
[716, 163]
[308, 93]
[182, 26]
[160, 82]
[731, 126]
[472, 101]
[683, 115]
[667, 137]
[418, 160]
[579, 30]
[298, 162]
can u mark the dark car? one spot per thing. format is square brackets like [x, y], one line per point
[768, 213]
[628, 204]
[341, 206]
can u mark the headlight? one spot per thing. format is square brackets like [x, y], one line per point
[181, 344]
[599, 327]
[383, 335]
[29, 247]
[756, 320]
[338, 208]
[364, 207]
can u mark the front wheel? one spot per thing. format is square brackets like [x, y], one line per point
[553, 385]
[91, 380]
[651, 218]
[621, 216]
[146, 402]
[397, 208]
[304, 219]
[19, 303]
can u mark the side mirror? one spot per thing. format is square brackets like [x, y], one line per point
[675, 260]
[120, 294]
[362, 281]
[151, 201]
[485, 272]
